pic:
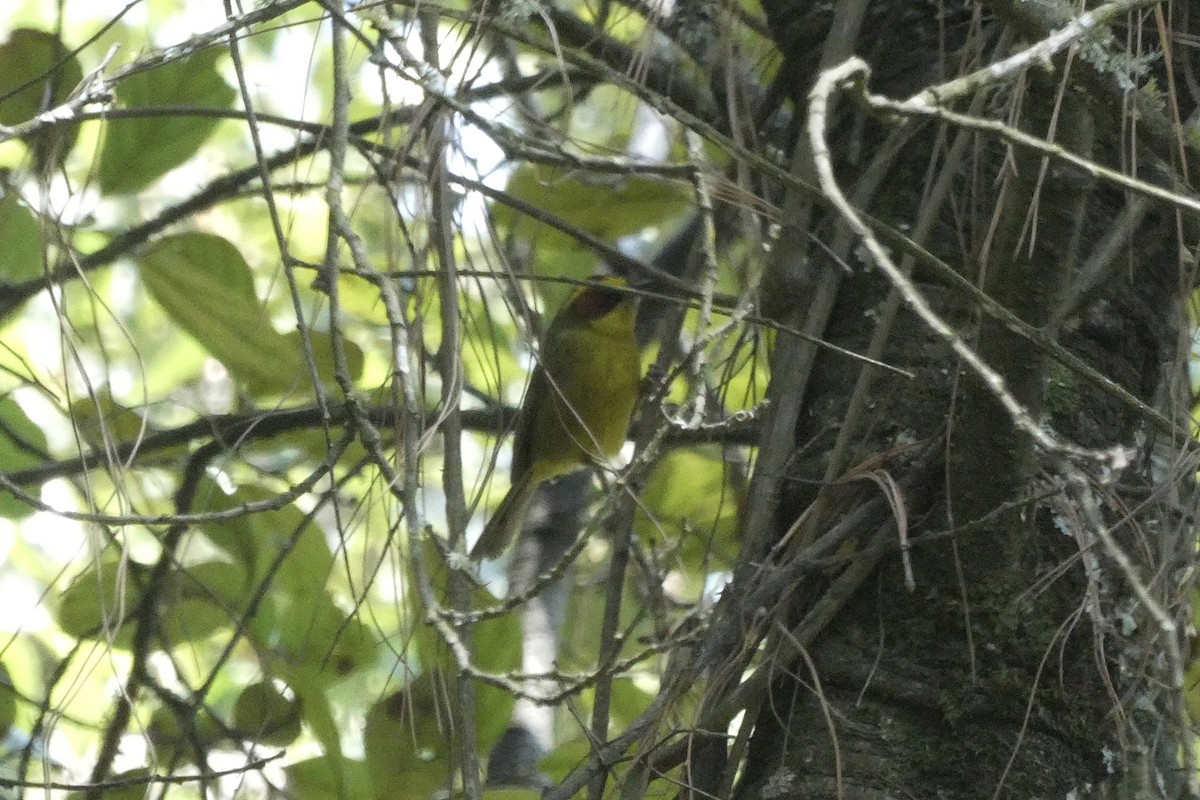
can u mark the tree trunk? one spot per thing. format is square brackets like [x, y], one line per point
[1025, 643]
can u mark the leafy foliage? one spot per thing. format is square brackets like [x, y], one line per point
[39, 74]
[140, 150]
[262, 348]
[193, 371]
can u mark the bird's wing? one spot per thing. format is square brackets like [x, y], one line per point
[535, 394]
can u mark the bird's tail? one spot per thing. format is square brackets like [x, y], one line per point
[506, 523]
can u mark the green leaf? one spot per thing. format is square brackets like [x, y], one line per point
[322, 346]
[255, 541]
[22, 675]
[628, 700]
[309, 559]
[37, 73]
[137, 152]
[22, 444]
[204, 599]
[313, 779]
[496, 647]
[238, 536]
[21, 255]
[133, 784]
[407, 754]
[316, 635]
[266, 715]
[296, 622]
[314, 704]
[565, 757]
[193, 619]
[220, 582]
[166, 733]
[690, 502]
[608, 207]
[510, 793]
[100, 420]
[205, 285]
[197, 602]
[177, 732]
[100, 601]
[8, 701]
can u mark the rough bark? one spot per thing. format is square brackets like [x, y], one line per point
[1020, 664]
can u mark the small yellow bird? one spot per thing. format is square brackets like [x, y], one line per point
[580, 398]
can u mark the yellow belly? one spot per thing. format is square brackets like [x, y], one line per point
[588, 417]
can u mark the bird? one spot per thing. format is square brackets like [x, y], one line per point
[578, 404]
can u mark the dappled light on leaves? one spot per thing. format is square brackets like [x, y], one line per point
[834, 359]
